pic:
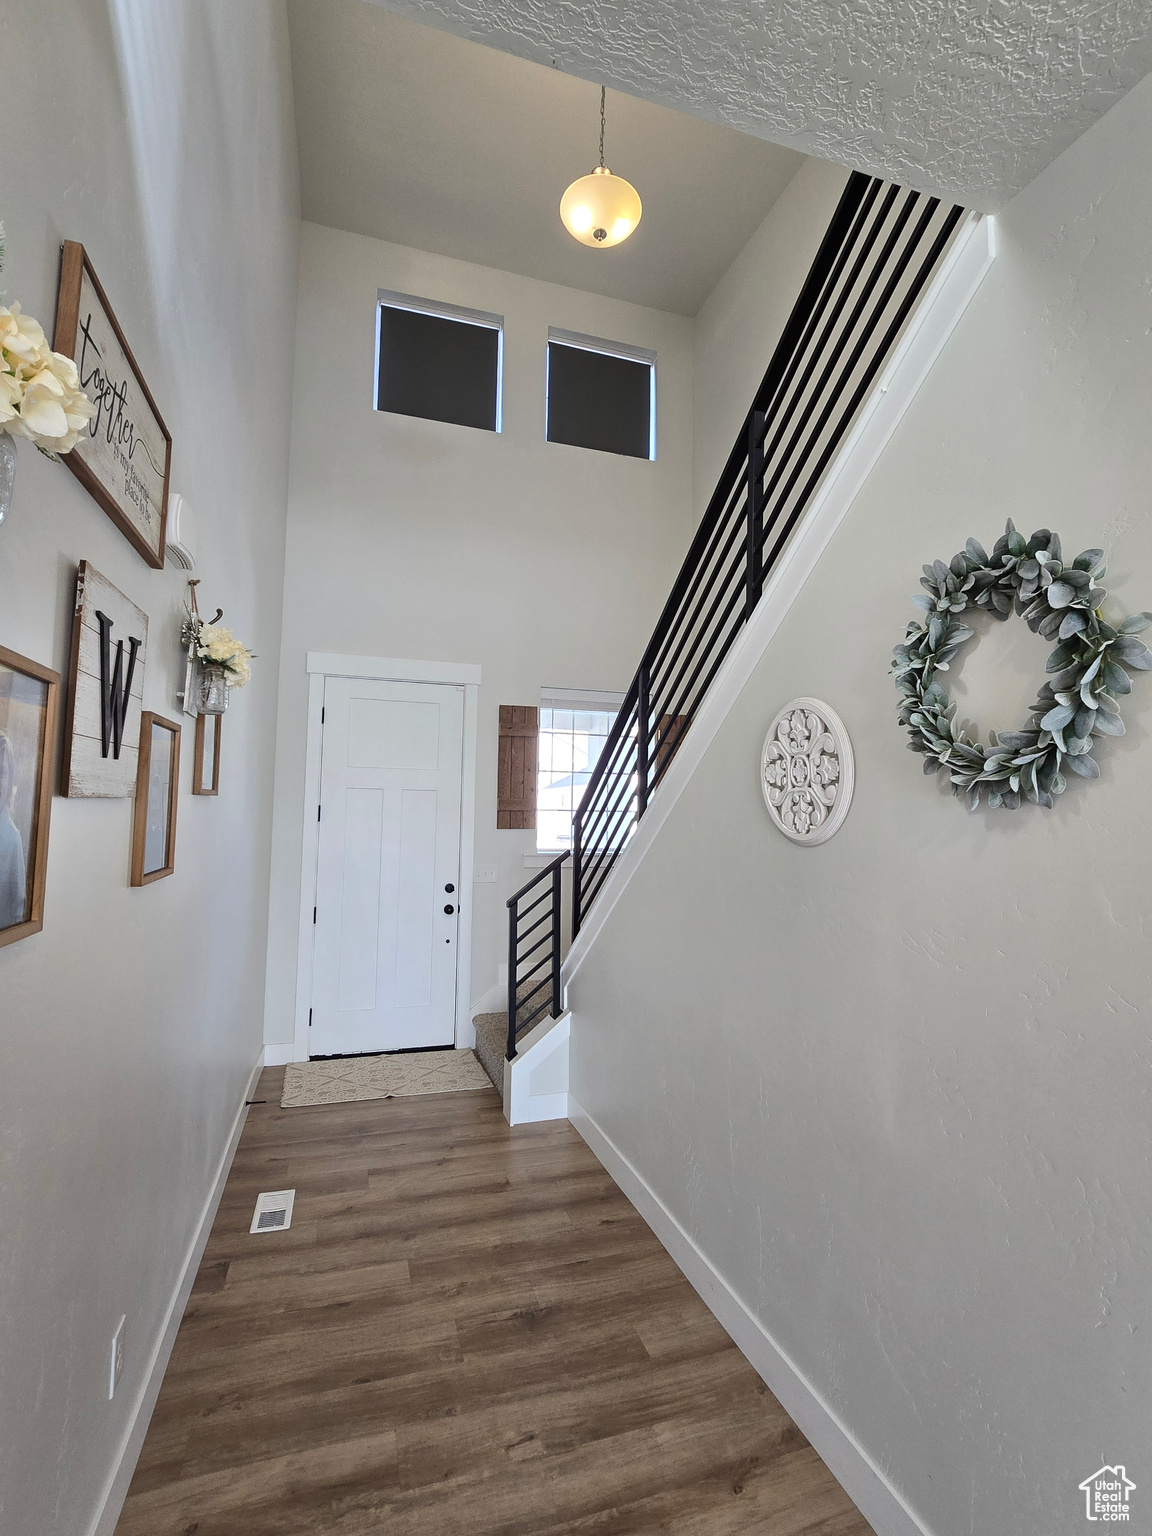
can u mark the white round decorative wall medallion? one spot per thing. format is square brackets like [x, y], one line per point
[807, 772]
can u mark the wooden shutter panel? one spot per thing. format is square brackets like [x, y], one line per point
[516, 775]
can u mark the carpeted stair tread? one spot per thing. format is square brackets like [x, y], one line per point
[492, 1029]
[491, 1043]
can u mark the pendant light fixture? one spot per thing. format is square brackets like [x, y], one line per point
[600, 209]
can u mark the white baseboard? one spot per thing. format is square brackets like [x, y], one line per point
[874, 1495]
[132, 1443]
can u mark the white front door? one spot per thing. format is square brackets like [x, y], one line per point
[388, 873]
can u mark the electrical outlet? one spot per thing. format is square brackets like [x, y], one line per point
[116, 1358]
[484, 874]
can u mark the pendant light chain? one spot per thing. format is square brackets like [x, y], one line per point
[600, 210]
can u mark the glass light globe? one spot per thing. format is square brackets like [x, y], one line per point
[601, 209]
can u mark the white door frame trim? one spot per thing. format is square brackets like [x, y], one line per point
[389, 669]
[322, 665]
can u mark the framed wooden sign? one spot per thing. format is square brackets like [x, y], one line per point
[125, 458]
[206, 759]
[106, 692]
[29, 696]
[157, 785]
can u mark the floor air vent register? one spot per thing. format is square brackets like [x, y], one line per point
[273, 1211]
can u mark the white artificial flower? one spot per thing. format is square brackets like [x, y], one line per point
[65, 370]
[239, 672]
[41, 414]
[11, 393]
[21, 337]
[217, 644]
[40, 394]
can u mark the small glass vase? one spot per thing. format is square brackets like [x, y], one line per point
[211, 689]
[7, 472]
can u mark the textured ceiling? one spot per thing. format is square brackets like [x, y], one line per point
[410, 134]
[970, 98]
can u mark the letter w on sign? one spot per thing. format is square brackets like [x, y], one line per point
[106, 689]
[115, 686]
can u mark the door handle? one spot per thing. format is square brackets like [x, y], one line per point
[449, 887]
[449, 909]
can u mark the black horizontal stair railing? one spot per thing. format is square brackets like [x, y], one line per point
[879, 252]
[534, 952]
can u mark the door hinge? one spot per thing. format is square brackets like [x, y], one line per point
[317, 813]
[309, 1018]
[313, 914]
[321, 715]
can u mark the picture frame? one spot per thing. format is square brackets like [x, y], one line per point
[206, 758]
[157, 797]
[124, 461]
[105, 692]
[29, 704]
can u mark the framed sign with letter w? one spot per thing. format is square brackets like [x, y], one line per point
[106, 690]
[125, 457]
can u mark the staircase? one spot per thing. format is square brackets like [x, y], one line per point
[877, 257]
[849, 333]
[525, 1050]
[492, 1034]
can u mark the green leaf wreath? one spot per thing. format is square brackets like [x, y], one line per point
[1057, 601]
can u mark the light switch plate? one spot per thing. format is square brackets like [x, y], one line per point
[484, 874]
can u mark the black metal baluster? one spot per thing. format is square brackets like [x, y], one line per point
[556, 896]
[754, 554]
[513, 984]
[541, 956]
[577, 869]
[643, 741]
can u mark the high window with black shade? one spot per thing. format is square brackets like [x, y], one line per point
[600, 396]
[438, 362]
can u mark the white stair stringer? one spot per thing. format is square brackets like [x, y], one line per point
[951, 290]
[536, 1080]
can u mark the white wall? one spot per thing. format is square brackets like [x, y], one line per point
[158, 133]
[546, 564]
[897, 1087]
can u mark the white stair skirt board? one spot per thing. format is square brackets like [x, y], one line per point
[536, 1082]
[948, 296]
[495, 1000]
[877, 1499]
[140, 1415]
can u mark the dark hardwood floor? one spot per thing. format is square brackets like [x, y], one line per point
[468, 1329]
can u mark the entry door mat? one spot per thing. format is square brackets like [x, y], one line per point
[349, 1079]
